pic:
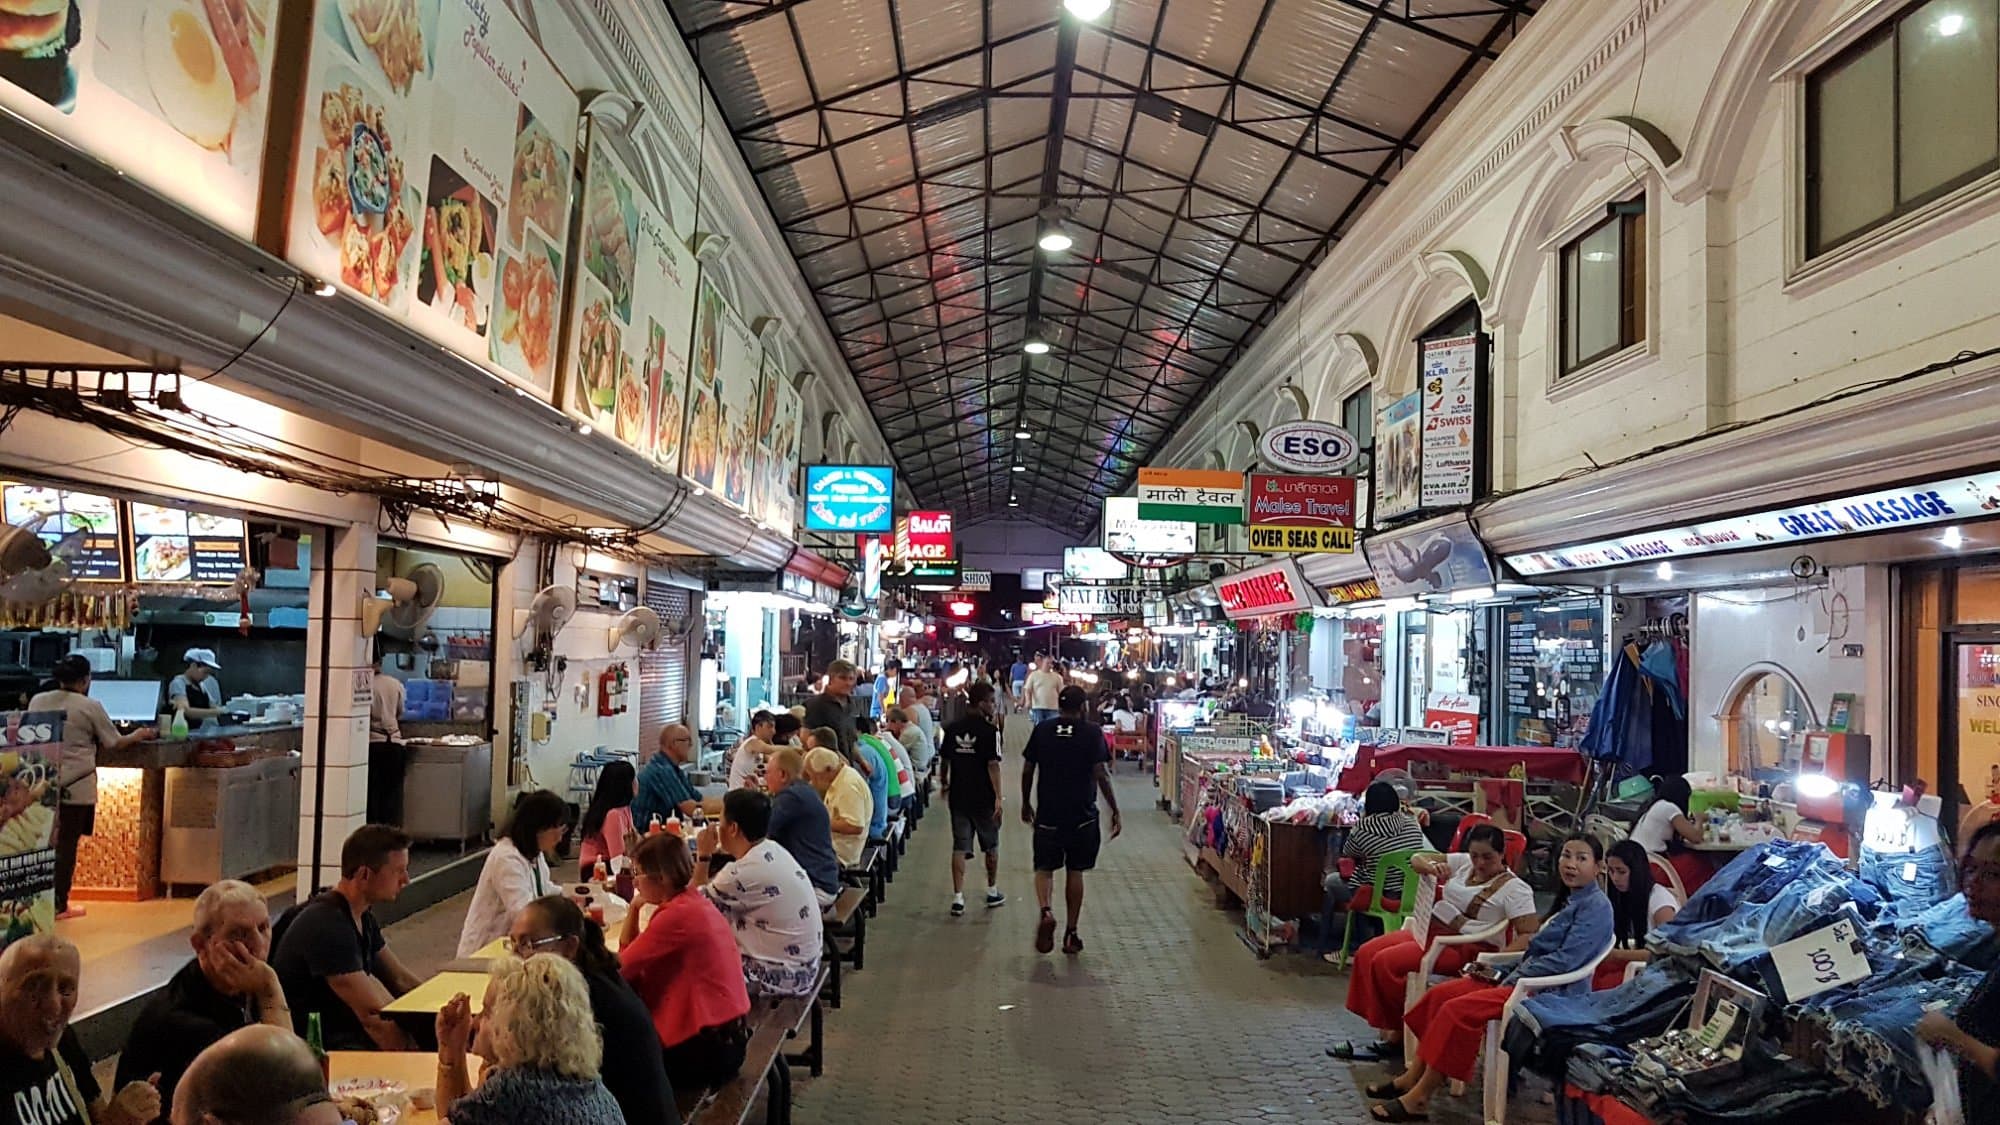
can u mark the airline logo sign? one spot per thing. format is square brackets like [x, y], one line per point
[1191, 495]
[1302, 514]
[924, 536]
[975, 581]
[1307, 446]
[1277, 588]
[1945, 501]
[1100, 601]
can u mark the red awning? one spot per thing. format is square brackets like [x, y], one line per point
[808, 563]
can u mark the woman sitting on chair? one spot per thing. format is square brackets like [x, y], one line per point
[1383, 828]
[1478, 894]
[1638, 904]
[1451, 1019]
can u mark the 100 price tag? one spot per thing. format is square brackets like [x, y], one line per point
[1826, 958]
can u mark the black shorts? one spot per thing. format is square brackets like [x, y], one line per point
[1074, 848]
[965, 826]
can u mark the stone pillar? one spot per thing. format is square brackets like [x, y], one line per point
[337, 655]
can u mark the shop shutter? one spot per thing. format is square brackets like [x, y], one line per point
[663, 672]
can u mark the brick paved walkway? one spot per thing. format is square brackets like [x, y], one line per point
[1166, 1017]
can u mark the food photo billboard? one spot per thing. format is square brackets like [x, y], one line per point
[625, 368]
[722, 399]
[30, 754]
[433, 175]
[174, 93]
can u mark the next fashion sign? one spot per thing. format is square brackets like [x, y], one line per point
[1959, 498]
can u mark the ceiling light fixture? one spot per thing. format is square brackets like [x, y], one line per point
[1054, 239]
[1035, 345]
[1020, 468]
[1953, 537]
[1022, 434]
[1950, 24]
[1087, 10]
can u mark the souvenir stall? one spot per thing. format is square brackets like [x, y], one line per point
[1788, 987]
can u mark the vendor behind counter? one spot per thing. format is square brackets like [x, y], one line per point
[196, 692]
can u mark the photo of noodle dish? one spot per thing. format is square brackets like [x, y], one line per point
[540, 183]
[701, 437]
[594, 376]
[608, 234]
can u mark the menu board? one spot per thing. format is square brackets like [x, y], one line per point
[58, 513]
[625, 371]
[433, 174]
[722, 400]
[176, 545]
[782, 463]
[1398, 457]
[174, 93]
[1554, 672]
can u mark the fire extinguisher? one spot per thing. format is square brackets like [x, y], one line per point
[607, 684]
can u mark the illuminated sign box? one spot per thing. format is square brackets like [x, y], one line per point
[851, 498]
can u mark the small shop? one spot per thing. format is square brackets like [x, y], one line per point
[752, 657]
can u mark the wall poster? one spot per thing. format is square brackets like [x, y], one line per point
[722, 397]
[626, 368]
[30, 751]
[175, 93]
[1398, 458]
[433, 175]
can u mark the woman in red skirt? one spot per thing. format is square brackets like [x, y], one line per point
[1451, 1019]
[1479, 893]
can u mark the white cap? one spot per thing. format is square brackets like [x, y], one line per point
[203, 656]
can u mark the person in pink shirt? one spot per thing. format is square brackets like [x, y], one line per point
[608, 820]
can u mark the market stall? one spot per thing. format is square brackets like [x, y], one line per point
[1510, 783]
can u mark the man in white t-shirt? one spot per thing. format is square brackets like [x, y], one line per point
[1044, 686]
[766, 896]
[746, 762]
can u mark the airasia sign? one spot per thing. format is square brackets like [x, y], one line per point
[926, 536]
[1278, 588]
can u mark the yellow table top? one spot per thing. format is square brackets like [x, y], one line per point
[436, 992]
[416, 1070]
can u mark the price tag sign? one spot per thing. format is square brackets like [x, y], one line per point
[1826, 958]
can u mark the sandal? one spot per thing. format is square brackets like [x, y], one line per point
[1372, 1051]
[1045, 933]
[1394, 1110]
[1386, 1090]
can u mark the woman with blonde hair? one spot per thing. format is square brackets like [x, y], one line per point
[541, 1046]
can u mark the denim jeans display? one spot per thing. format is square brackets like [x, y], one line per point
[1763, 1088]
[1547, 1028]
[1766, 896]
[1910, 882]
[1869, 1029]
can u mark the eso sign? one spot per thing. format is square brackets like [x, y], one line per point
[1307, 447]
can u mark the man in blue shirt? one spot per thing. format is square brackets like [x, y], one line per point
[1018, 676]
[799, 821]
[664, 791]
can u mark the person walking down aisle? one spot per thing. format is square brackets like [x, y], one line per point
[1044, 688]
[969, 775]
[1073, 758]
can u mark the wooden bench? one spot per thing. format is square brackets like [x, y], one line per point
[868, 873]
[773, 1023]
[848, 919]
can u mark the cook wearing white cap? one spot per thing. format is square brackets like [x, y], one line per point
[196, 691]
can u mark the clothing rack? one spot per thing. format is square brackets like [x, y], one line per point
[1672, 627]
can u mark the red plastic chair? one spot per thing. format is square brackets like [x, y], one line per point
[1517, 849]
[1471, 821]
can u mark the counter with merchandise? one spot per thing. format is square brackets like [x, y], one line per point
[1824, 970]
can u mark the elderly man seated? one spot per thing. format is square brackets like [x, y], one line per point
[799, 821]
[229, 985]
[44, 1074]
[848, 803]
[257, 1073]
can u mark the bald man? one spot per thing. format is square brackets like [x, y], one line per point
[44, 1075]
[664, 791]
[259, 1074]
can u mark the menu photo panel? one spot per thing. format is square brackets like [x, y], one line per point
[433, 175]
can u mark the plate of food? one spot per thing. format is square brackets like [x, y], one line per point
[392, 39]
[540, 182]
[370, 1101]
[162, 558]
[363, 209]
[595, 376]
[631, 403]
[150, 520]
[524, 337]
[455, 274]
[205, 523]
[608, 222]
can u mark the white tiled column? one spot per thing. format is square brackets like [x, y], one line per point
[349, 564]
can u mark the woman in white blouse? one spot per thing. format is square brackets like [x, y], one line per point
[516, 871]
[1478, 893]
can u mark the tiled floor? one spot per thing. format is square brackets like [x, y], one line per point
[1166, 1018]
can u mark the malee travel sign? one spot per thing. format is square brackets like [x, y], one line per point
[1301, 514]
[1210, 496]
[1945, 501]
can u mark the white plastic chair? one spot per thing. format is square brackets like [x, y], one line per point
[1417, 982]
[1661, 866]
[1496, 1061]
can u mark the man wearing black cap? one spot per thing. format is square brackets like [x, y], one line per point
[87, 730]
[1072, 756]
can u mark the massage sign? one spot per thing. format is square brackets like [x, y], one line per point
[1301, 514]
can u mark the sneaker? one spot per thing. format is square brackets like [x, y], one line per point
[1045, 933]
[958, 908]
[1072, 944]
[995, 898]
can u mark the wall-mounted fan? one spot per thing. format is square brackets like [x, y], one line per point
[640, 628]
[411, 601]
[33, 570]
[550, 611]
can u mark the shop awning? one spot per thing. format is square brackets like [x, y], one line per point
[814, 567]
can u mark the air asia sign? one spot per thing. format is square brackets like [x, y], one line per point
[924, 537]
[1307, 447]
[1946, 501]
[1194, 495]
[1277, 588]
[1301, 514]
